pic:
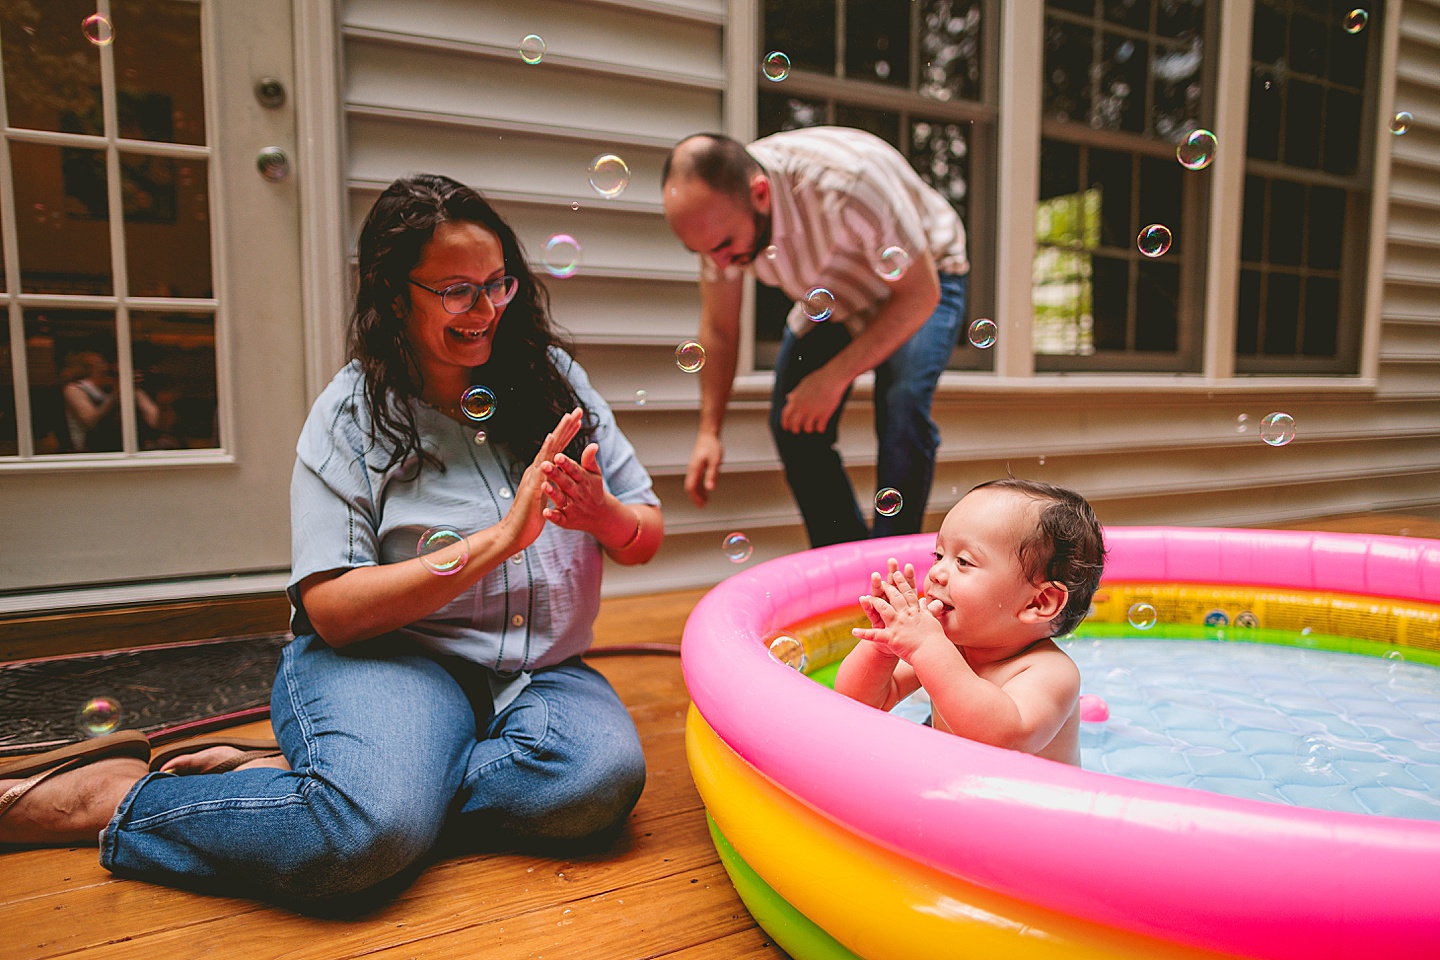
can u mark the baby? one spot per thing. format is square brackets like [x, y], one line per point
[1016, 563]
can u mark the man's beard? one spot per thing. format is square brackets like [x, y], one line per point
[762, 239]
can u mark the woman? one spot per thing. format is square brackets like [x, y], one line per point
[411, 699]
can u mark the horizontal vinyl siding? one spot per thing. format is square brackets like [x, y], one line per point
[438, 85]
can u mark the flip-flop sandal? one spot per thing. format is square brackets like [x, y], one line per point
[250, 749]
[34, 770]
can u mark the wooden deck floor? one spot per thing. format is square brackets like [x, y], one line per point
[660, 892]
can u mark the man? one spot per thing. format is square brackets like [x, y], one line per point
[824, 209]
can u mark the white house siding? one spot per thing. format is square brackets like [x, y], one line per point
[439, 85]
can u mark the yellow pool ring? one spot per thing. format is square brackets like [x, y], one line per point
[874, 902]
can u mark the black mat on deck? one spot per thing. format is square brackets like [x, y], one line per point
[156, 688]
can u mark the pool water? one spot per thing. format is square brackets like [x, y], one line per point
[1309, 728]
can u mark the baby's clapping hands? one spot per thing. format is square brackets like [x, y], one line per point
[901, 619]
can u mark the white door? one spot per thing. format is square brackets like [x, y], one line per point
[151, 337]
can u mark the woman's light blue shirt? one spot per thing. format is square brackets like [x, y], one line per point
[534, 610]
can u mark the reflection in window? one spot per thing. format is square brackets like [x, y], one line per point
[175, 398]
[61, 208]
[52, 73]
[1063, 291]
[71, 361]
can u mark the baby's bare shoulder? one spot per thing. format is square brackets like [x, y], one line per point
[1043, 661]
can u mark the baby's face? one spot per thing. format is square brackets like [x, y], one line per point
[977, 574]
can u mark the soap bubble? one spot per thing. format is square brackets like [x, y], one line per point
[478, 403]
[532, 49]
[1355, 20]
[690, 356]
[443, 550]
[98, 30]
[1277, 429]
[789, 651]
[819, 304]
[609, 175]
[504, 493]
[1315, 756]
[1400, 123]
[982, 333]
[574, 204]
[770, 252]
[892, 263]
[1142, 616]
[562, 255]
[888, 502]
[480, 438]
[737, 547]
[1242, 423]
[1197, 150]
[776, 66]
[1394, 655]
[640, 397]
[1154, 240]
[98, 716]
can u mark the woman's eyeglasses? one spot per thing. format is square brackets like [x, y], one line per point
[461, 297]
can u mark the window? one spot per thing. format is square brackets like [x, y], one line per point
[919, 75]
[1123, 81]
[107, 295]
[1304, 234]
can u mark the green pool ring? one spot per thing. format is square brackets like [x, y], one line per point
[794, 932]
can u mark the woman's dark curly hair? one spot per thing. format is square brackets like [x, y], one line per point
[1066, 546]
[531, 394]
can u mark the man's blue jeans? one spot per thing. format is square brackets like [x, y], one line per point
[908, 438]
[383, 744]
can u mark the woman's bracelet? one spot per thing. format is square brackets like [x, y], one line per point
[639, 526]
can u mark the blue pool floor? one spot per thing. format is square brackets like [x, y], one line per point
[1308, 728]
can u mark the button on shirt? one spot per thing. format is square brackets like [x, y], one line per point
[839, 198]
[348, 511]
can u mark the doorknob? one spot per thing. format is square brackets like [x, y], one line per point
[273, 164]
[270, 92]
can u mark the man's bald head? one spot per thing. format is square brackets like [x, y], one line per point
[720, 162]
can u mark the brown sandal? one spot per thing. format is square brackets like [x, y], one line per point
[251, 749]
[36, 769]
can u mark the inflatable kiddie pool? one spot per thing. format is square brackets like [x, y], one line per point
[852, 833]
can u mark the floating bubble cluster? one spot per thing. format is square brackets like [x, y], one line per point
[1277, 429]
[98, 716]
[982, 333]
[888, 502]
[562, 255]
[1400, 123]
[690, 356]
[737, 547]
[532, 49]
[892, 263]
[1355, 20]
[609, 175]
[1154, 240]
[790, 652]
[1142, 616]
[443, 550]
[1197, 150]
[98, 30]
[776, 66]
[478, 403]
[819, 304]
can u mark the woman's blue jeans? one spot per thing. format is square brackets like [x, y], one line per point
[387, 745]
[908, 437]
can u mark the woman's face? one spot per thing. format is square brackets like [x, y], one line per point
[448, 345]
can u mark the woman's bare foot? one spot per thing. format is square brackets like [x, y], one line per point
[202, 761]
[70, 808]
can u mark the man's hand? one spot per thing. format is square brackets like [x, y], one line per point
[704, 468]
[812, 402]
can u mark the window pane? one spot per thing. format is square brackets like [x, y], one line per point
[1157, 322]
[804, 30]
[1067, 70]
[950, 49]
[1263, 131]
[9, 444]
[1342, 131]
[1131, 13]
[1178, 89]
[1112, 303]
[877, 42]
[1059, 169]
[1322, 316]
[940, 153]
[1119, 102]
[52, 72]
[2, 263]
[777, 112]
[1181, 19]
[174, 361]
[167, 226]
[1062, 293]
[1307, 44]
[61, 214]
[1348, 51]
[1252, 228]
[74, 406]
[1282, 313]
[882, 123]
[1302, 124]
[1247, 321]
[1287, 219]
[1326, 228]
[158, 70]
[1111, 173]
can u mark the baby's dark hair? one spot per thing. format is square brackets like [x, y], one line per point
[1066, 546]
